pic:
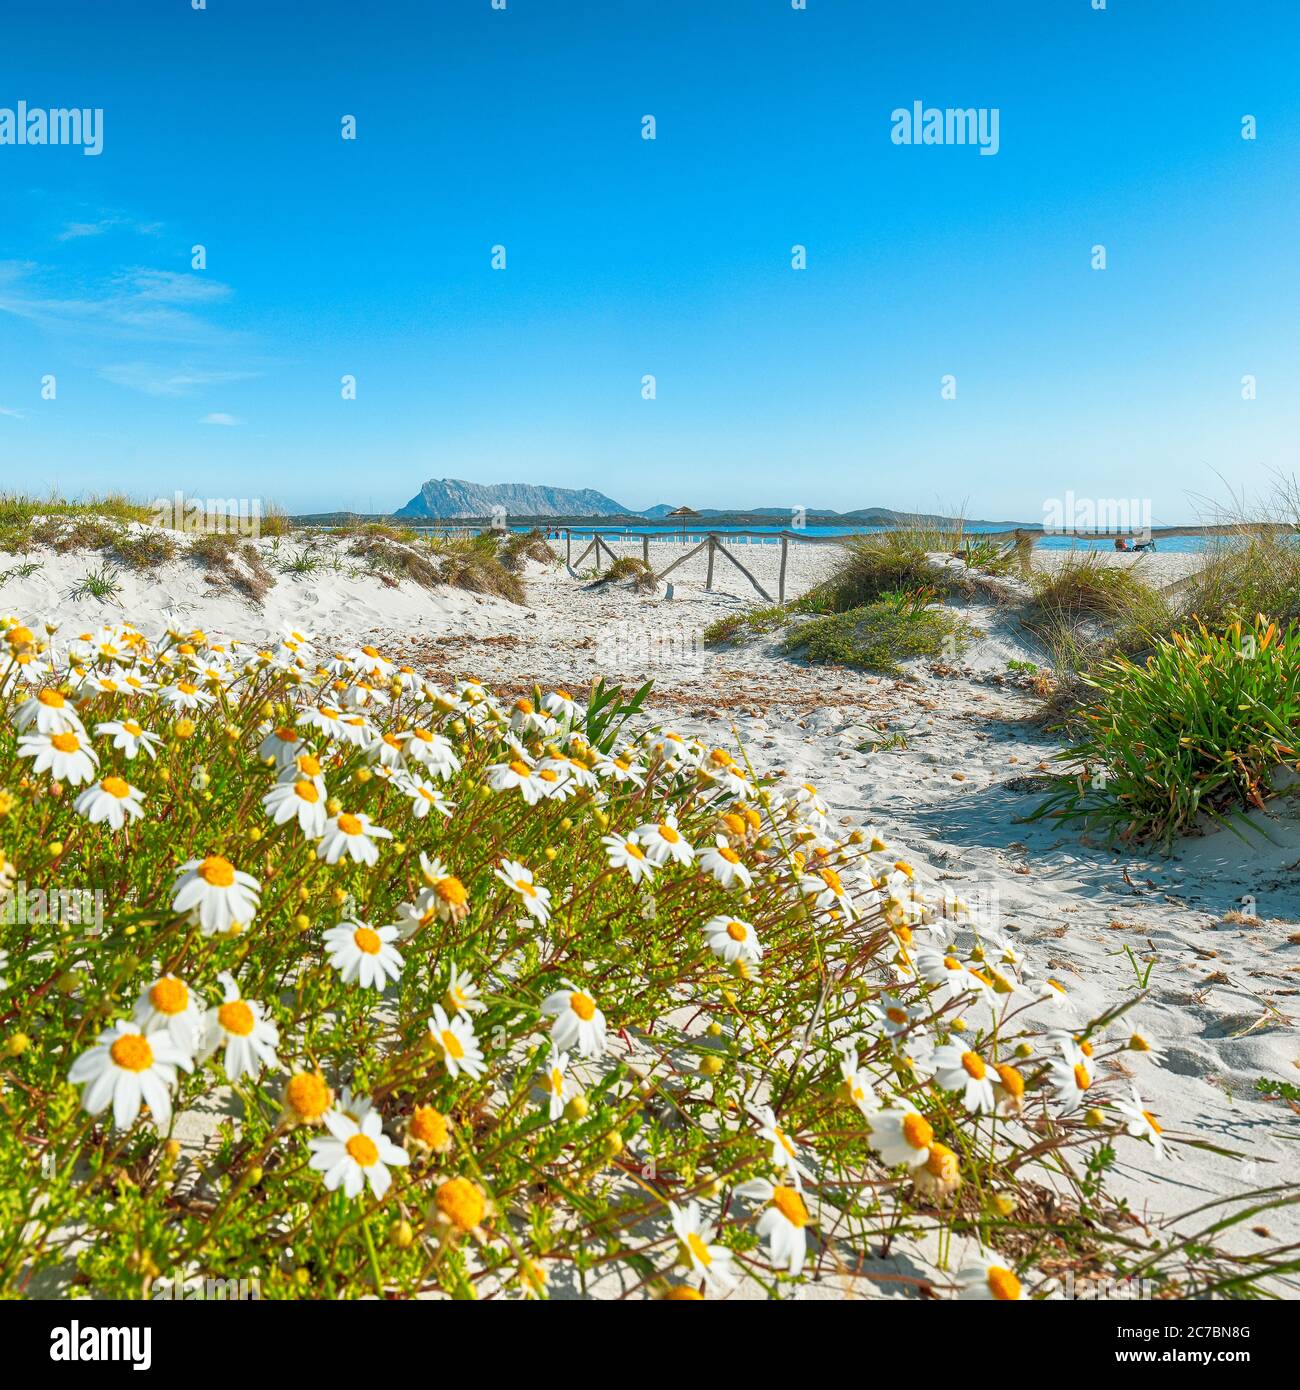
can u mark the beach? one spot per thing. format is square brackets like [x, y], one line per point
[945, 759]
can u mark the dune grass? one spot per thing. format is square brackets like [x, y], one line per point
[1197, 732]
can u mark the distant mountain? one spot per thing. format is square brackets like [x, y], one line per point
[863, 516]
[448, 498]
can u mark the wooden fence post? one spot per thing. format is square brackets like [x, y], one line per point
[708, 583]
[785, 552]
[568, 547]
[645, 550]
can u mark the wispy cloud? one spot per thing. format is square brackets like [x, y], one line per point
[218, 417]
[109, 222]
[153, 379]
[135, 303]
[13, 414]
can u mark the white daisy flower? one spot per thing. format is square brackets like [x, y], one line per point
[535, 898]
[504, 777]
[663, 842]
[560, 1086]
[353, 835]
[711, 1262]
[302, 801]
[959, 1069]
[901, 1134]
[368, 661]
[128, 1070]
[784, 1222]
[1142, 1124]
[785, 1149]
[113, 800]
[364, 955]
[129, 737]
[432, 751]
[425, 797]
[354, 1155]
[242, 1028]
[622, 853]
[724, 864]
[578, 1022]
[621, 768]
[559, 704]
[225, 898]
[50, 712]
[67, 756]
[989, 1278]
[186, 696]
[731, 940]
[170, 1006]
[283, 743]
[462, 994]
[455, 1040]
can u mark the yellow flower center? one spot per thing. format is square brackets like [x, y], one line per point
[452, 1045]
[115, 786]
[186, 688]
[131, 1052]
[369, 651]
[832, 880]
[791, 1205]
[428, 1126]
[917, 1130]
[236, 1017]
[1151, 1120]
[729, 855]
[460, 1201]
[52, 699]
[524, 706]
[308, 1095]
[698, 1248]
[452, 891]
[169, 996]
[287, 735]
[942, 1163]
[520, 769]
[1003, 1285]
[349, 824]
[363, 1150]
[583, 1005]
[634, 850]
[666, 832]
[219, 872]
[736, 931]
[307, 791]
[132, 728]
[309, 766]
[1012, 1082]
[367, 940]
[973, 1065]
[65, 743]
[896, 1015]
[526, 888]
[557, 1081]
[1081, 1078]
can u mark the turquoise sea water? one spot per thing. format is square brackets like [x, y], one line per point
[663, 531]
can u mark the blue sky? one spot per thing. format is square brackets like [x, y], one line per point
[522, 127]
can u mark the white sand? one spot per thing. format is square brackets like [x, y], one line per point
[1222, 996]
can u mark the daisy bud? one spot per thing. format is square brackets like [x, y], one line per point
[1024, 1050]
[16, 1044]
[340, 896]
[255, 1175]
[714, 1030]
[255, 833]
[363, 774]
[56, 848]
[958, 1025]
[334, 806]
[612, 1144]
[710, 1065]
[303, 893]
[172, 1149]
[566, 824]
[1094, 1118]
[548, 852]
[184, 728]
[576, 1109]
[1005, 1203]
[403, 1235]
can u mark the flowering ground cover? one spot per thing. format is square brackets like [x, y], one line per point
[401, 989]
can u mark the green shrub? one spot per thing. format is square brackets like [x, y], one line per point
[890, 562]
[754, 623]
[878, 636]
[145, 550]
[1197, 730]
